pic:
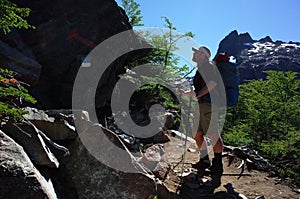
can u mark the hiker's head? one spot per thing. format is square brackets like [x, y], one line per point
[201, 54]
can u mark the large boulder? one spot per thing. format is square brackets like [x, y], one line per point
[18, 177]
[65, 33]
[93, 172]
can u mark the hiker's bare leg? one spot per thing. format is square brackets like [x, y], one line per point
[203, 162]
[217, 142]
[200, 141]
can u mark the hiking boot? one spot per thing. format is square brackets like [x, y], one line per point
[216, 171]
[201, 165]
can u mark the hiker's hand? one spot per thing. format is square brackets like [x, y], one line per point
[189, 94]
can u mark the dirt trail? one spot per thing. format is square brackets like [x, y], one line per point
[251, 184]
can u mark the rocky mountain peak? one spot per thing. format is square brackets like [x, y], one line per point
[233, 43]
[266, 39]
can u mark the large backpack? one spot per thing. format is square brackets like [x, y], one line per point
[230, 76]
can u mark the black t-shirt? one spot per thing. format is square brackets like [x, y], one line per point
[208, 71]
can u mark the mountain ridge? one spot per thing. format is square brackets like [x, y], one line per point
[256, 56]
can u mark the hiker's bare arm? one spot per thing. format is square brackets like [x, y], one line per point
[205, 90]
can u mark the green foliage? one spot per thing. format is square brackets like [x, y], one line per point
[11, 16]
[164, 44]
[166, 64]
[238, 135]
[160, 94]
[10, 112]
[12, 96]
[165, 68]
[267, 119]
[133, 12]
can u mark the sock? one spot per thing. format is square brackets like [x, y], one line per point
[218, 155]
[216, 167]
[204, 155]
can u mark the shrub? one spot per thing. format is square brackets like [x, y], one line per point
[12, 96]
[267, 119]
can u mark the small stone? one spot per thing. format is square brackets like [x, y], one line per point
[296, 190]
[191, 150]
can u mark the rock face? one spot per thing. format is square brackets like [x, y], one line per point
[66, 31]
[18, 177]
[26, 66]
[256, 56]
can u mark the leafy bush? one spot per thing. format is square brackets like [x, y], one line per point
[267, 119]
[238, 136]
[12, 96]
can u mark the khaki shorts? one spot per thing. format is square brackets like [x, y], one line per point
[206, 120]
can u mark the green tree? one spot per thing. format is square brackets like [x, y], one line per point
[133, 12]
[165, 67]
[162, 53]
[11, 16]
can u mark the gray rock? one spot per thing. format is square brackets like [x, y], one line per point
[92, 170]
[18, 177]
[33, 144]
[55, 128]
[154, 159]
[170, 121]
[296, 190]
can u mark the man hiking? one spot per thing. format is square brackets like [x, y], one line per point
[208, 91]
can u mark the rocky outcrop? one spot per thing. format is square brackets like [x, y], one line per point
[98, 170]
[65, 33]
[93, 179]
[18, 177]
[256, 56]
[98, 165]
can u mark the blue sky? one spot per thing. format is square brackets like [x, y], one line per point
[212, 20]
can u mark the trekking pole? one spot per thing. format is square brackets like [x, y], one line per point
[185, 141]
